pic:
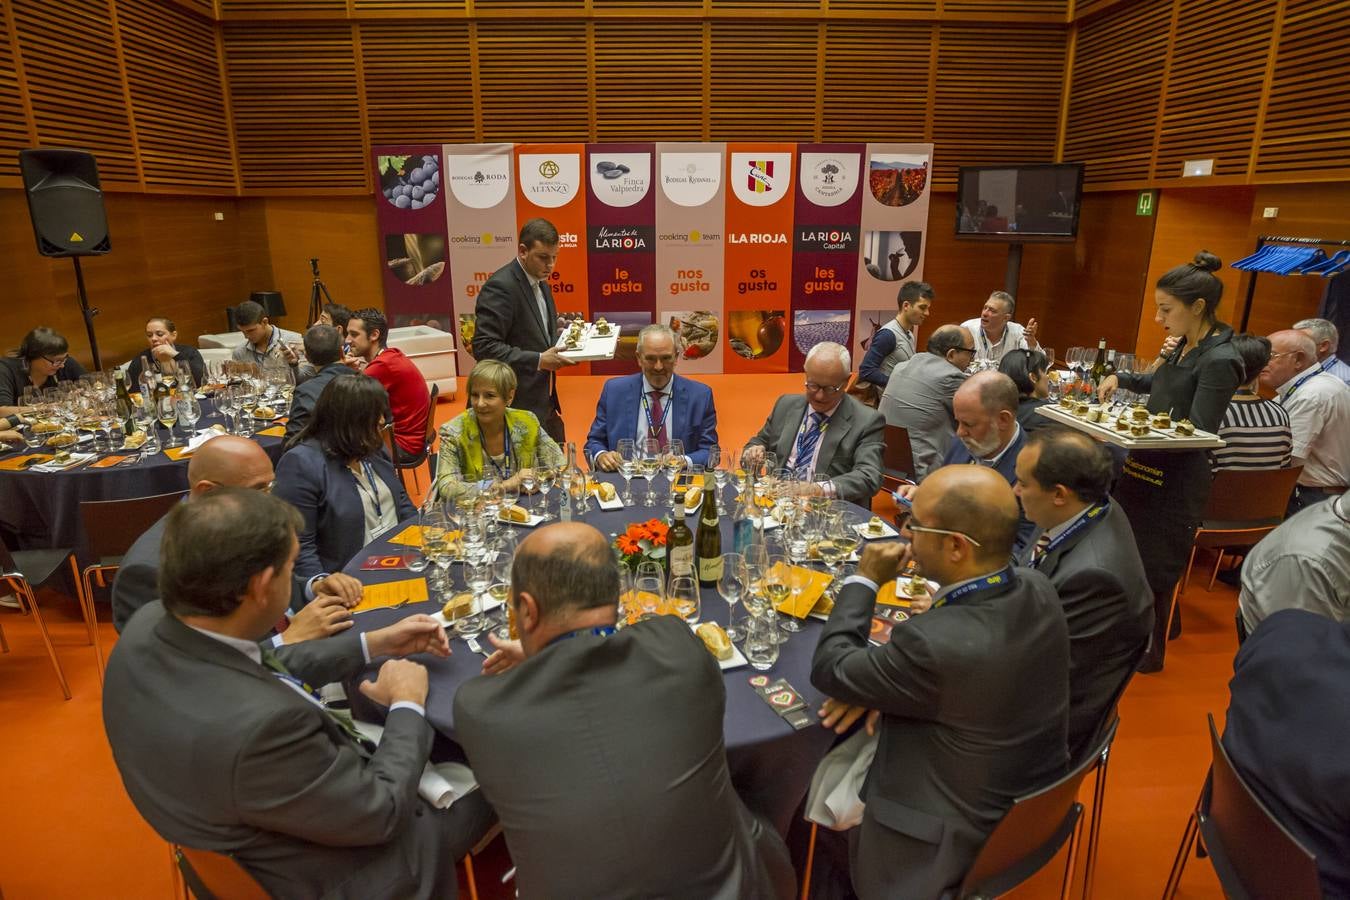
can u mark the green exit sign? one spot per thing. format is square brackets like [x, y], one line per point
[1144, 206]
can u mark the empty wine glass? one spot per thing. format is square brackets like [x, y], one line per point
[529, 480]
[547, 475]
[731, 587]
[628, 462]
[683, 597]
[189, 411]
[650, 588]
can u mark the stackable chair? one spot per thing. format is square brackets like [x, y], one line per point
[1244, 506]
[423, 455]
[22, 571]
[897, 458]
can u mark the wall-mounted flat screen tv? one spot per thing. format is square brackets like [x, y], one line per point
[1019, 203]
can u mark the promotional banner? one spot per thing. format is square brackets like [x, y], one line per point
[621, 243]
[410, 215]
[480, 213]
[758, 257]
[825, 246]
[549, 186]
[690, 212]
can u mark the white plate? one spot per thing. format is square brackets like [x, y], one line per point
[616, 503]
[439, 616]
[737, 657]
[532, 521]
[886, 532]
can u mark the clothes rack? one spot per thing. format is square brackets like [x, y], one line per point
[1262, 241]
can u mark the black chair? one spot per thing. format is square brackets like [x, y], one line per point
[110, 528]
[24, 570]
[1031, 834]
[897, 458]
[423, 455]
[1252, 853]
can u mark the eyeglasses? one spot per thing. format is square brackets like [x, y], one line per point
[923, 529]
[823, 388]
[964, 349]
[1285, 353]
[59, 361]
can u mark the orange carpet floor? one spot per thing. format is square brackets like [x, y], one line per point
[67, 828]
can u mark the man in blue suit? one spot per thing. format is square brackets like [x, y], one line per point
[653, 403]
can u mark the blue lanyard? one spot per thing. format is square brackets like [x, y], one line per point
[374, 491]
[1095, 514]
[654, 428]
[987, 583]
[1298, 384]
[506, 450]
[598, 631]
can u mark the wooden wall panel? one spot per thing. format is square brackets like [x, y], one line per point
[534, 81]
[418, 83]
[763, 80]
[1041, 10]
[908, 8]
[297, 113]
[866, 102]
[283, 8]
[177, 98]
[996, 107]
[74, 80]
[15, 133]
[649, 81]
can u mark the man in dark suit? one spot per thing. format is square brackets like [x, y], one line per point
[223, 746]
[1085, 546]
[516, 322]
[323, 348]
[602, 750]
[973, 694]
[654, 403]
[230, 461]
[825, 431]
[1287, 727]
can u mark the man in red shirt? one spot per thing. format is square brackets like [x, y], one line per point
[408, 397]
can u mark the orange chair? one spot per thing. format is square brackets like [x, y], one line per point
[23, 570]
[1244, 506]
[216, 876]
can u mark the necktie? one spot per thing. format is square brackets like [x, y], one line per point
[543, 308]
[341, 716]
[657, 423]
[1038, 552]
[806, 444]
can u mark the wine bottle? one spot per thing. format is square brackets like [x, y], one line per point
[708, 541]
[1098, 370]
[160, 390]
[126, 410]
[1110, 362]
[679, 546]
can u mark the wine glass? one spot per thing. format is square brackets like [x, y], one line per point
[1049, 357]
[777, 581]
[731, 586]
[649, 586]
[189, 411]
[225, 402]
[547, 475]
[166, 410]
[499, 587]
[649, 464]
[627, 598]
[761, 642]
[1125, 365]
[510, 491]
[468, 616]
[683, 597]
[491, 489]
[628, 461]
[720, 464]
[529, 480]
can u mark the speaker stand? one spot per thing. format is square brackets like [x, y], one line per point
[87, 313]
[317, 290]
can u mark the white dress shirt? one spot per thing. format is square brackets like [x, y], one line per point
[1014, 338]
[1319, 417]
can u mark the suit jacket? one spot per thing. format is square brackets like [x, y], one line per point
[850, 449]
[324, 491]
[632, 797]
[693, 420]
[307, 394]
[918, 398]
[974, 697]
[507, 328]
[1287, 727]
[219, 754]
[1102, 587]
[958, 454]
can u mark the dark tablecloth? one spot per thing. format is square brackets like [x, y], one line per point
[770, 763]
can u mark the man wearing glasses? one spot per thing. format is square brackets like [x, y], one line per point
[920, 392]
[833, 442]
[973, 695]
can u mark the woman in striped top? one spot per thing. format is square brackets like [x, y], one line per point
[1256, 430]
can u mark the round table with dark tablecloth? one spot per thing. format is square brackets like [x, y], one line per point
[771, 764]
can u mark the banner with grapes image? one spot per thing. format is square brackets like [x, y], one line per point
[413, 246]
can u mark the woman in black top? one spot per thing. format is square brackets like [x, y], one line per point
[165, 355]
[1027, 369]
[41, 360]
[1164, 492]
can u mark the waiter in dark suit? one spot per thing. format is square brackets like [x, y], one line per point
[1084, 545]
[654, 403]
[516, 322]
[224, 746]
[973, 693]
[602, 751]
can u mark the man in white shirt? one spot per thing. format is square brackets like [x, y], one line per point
[1303, 564]
[996, 333]
[1327, 338]
[1319, 416]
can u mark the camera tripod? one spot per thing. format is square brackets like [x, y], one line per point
[318, 294]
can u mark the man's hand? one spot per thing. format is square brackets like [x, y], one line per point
[551, 360]
[398, 681]
[880, 561]
[608, 461]
[322, 617]
[1107, 388]
[415, 634]
[344, 587]
[508, 655]
[920, 603]
[839, 716]
[1030, 332]
[752, 456]
[906, 491]
[288, 353]
[356, 363]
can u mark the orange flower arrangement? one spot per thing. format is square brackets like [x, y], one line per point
[642, 541]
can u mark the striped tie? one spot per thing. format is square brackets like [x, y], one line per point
[1038, 552]
[343, 718]
[806, 444]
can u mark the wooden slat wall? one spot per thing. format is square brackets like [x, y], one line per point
[649, 82]
[533, 81]
[763, 80]
[867, 102]
[14, 126]
[429, 102]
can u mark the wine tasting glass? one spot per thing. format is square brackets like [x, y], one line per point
[649, 464]
[628, 463]
[510, 493]
[683, 597]
[166, 411]
[777, 582]
[761, 642]
[627, 597]
[468, 616]
[672, 460]
[529, 480]
[649, 586]
[731, 587]
[499, 587]
[189, 412]
[547, 475]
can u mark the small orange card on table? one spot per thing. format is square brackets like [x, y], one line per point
[18, 463]
[392, 593]
[412, 536]
[801, 605]
[275, 431]
[108, 462]
[888, 597]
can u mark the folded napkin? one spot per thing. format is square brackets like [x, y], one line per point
[374, 596]
[19, 463]
[274, 431]
[441, 784]
[76, 459]
[801, 605]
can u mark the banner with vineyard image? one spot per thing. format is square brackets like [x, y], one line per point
[410, 217]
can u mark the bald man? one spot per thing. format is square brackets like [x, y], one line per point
[631, 796]
[1319, 416]
[973, 694]
[230, 461]
[919, 394]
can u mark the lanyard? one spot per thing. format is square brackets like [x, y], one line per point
[988, 346]
[988, 582]
[1095, 514]
[370, 487]
[506, 450]
[1298, 384]
[598, 631]
[654, 428]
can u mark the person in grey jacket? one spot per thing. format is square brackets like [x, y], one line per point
[918, 396]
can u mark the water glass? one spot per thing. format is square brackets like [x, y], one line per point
[731, 587]
[628, 463]
[761, 642]
[683, 597]
[649, 587]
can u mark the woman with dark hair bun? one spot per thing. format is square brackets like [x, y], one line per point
[337, 473]
[41, 360]
[1164, 492]
[1028, 370]
[165, 356]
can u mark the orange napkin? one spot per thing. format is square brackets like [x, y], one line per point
[374, 596]
[412, 536]
[108, 461]
[275, 431]
[801, 606]
[19, 463]
[177, 453]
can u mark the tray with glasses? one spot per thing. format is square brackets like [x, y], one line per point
[1131, 428]
[584, 341]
